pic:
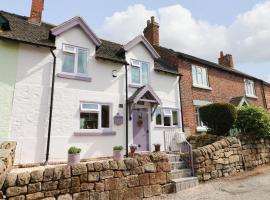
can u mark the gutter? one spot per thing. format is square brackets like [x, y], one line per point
[264, 96]
[181, 102]
[51, 109]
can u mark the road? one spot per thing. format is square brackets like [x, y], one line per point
[251, 185]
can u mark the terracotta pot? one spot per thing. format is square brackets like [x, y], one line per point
[73, 158]
[157, 147]
[118, 155]
[132, 151]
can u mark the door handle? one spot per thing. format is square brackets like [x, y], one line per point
[139, 145]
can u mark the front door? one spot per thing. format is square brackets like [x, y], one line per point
[140, 129]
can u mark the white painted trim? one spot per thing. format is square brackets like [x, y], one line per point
[144, 41]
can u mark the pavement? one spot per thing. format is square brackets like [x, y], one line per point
[249, 185]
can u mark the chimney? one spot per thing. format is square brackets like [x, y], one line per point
[36, 11]
[151, 32]
[226, 60]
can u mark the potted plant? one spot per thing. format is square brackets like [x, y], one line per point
[118, 153]
[133, 148]
[157, 147]
[74, 155]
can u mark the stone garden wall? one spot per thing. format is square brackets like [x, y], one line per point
[202, 140]
[7, 153]
[229, 156]
[140, 177]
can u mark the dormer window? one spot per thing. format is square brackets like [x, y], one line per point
[139, 72]
[74, 60]
[249, 88]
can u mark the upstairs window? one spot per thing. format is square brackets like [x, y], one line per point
[167, 117]
[94, 116]
[250, 89]
[200, 77]
[74, 60]
[139, 72]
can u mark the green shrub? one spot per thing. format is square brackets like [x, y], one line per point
[253, 121]
[73, 150]
[218, 117]
[118, 148]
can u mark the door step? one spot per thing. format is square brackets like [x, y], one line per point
[178, 165]
[180, 173]
[185, 183]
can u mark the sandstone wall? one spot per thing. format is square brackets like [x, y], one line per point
[202, 140]
[134, 178]
[229, 156]
[7, 153]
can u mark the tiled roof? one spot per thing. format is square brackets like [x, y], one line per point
[210, 64]
[23, 31]
[164, 66]
[236, 100]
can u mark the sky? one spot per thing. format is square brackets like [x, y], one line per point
[200, 28]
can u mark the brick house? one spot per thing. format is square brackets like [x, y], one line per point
[204, 82]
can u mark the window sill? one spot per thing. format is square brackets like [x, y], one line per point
[253, 97]
[96, 132]
[135, 85]
[201, 129]
[74, 77]
[202, 87]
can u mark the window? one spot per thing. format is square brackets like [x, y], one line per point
[249, 87]
[139, 72]
[199, 123]
[199, 76]
[94, 116]
[167, 117]
[74, 60]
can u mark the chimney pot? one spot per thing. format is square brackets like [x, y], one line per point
[152, 19]
[221, 54]
[36, 11]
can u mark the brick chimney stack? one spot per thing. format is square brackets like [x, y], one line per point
[36, 11]
[151, 32]
[226, 60]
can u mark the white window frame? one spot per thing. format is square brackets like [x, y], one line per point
[99, 111]
[76, 54]
[169, 114]
[195, 77]
[138, 64]
[201, 128]
[250, 88]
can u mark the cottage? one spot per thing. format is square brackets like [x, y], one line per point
[70, 87]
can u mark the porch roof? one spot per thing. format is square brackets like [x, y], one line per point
[145, 94]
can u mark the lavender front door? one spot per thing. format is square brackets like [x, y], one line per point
[140, 129]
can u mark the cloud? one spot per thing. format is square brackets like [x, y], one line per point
[247, 38]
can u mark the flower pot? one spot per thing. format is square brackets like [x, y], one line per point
[157, 147]
[118, 155]
[73, 158]
[132, 150]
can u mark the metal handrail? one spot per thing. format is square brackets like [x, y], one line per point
[186, 147]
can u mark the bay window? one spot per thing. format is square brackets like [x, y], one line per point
[74, 60]
[95, 116]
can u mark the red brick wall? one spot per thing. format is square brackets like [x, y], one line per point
[224, 86]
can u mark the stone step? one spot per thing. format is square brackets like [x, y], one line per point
[180, 173]
[178, 165]
[174, 157]
[185, 183]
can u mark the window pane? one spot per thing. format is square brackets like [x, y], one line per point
[90, 106]
[68, 63]
[105, 116]
[204, 77]
[145, 73]
[194, 75]
[175, 117]
[199, 75]
[158, 117]
[135, 75]
[69, 49]
[82, 61]
[198, 118]
[89, 120]
[167, 112]
[167, 121]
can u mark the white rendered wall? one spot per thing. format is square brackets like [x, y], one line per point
[32, 94]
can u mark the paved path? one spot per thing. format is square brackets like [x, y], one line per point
[252, 185]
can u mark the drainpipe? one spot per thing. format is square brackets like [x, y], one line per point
[264, 97]
[51, 109]
[181, 103]
[126, 73]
